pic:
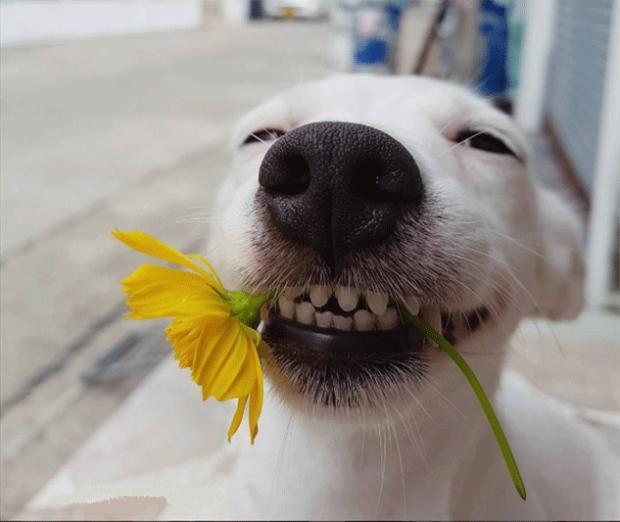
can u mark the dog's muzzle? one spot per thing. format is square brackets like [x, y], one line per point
[338, 187]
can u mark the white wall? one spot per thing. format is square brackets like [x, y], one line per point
[537, 40]
[31, 20]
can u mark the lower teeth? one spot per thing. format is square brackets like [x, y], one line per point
[325, 319]
[343, 323]
[364, 321]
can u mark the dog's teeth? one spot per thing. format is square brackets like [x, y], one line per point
[287, 307]
[304, 313]
[364, 321]
[377, 302]
[388, 319]
[343, 323]
[347, 297]
[325, 319]
[412, 304]
[319, 295]
[293, 292]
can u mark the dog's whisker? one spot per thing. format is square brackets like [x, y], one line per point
[362, 415]
[276, 480]
[394, 436]
[437, 390]
[382, 466]
[419, 404]
[416, 439]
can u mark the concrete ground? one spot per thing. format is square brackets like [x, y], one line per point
[121, 132]
[128, 132]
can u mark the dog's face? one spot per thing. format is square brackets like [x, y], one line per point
[355, 197]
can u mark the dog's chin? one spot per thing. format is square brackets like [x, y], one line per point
[333, 368]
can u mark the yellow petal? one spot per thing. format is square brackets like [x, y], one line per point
[237, 417]
[217, 356]
[156, 291]
[147, 274]
[229, 373]
[244, 377]
[256, 398]
[184, 338]
[216, 280]
[162, 300]
[216, 332]
[224, 362]
[150, 246]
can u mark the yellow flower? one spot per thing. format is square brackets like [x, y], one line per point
[210, 332]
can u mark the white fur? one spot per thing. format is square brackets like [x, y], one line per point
[430, 455]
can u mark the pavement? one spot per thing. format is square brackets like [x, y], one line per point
[124, 132]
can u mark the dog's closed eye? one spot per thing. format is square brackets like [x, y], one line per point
[263, 135]
[483, 141]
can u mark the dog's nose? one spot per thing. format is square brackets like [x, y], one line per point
[338, 187]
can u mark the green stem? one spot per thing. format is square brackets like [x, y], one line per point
[496, 427]
[246, 307]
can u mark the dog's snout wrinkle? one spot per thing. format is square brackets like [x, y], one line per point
[338, 187]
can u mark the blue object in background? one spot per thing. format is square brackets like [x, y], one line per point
[371, 52]
[394, 9]
[493, 27]
[374, 33]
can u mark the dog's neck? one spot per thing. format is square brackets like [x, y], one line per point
[387, 469]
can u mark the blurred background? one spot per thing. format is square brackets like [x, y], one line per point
[114, 114]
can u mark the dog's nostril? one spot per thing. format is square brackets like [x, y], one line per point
[290, 178]
[366, 179]
[378, 182]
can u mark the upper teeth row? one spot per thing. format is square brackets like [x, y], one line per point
[380, 315]
[348, 298]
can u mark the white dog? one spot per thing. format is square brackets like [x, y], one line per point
[354, 196]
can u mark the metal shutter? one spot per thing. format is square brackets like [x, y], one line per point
[576, 80]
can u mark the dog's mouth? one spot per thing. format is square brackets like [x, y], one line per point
[336, 345]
